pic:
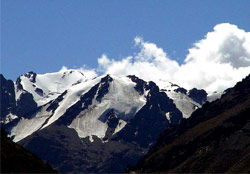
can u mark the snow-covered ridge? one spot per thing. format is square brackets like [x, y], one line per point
[46, 87]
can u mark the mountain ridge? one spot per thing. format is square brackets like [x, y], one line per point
[192, 105]
[97, 114]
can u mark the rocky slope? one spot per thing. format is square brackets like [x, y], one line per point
[16, 159]
[215, 139]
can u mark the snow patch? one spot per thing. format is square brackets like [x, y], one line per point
[9, 118]
[91, 139]
[120, 126]
[26, 127]
[185, 104]
[168, 116]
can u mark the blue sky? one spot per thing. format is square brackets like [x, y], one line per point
[44, 35]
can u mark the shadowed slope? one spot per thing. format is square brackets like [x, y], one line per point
[16, 159]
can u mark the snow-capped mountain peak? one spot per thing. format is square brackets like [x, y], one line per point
[46, 87]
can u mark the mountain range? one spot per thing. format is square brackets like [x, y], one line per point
[79, 123]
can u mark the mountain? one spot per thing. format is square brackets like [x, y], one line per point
[214, 139]
[32, 90]
[16, 159]
[91, 124]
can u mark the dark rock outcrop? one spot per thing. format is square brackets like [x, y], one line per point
[8, 101]
[199, 96]
[22, 107]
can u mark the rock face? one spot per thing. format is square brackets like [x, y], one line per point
[7, 95]
[16, 159]
[10, 106]
[200, 96]
[215, 139]
[87, 124]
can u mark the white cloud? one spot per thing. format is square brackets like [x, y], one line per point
[151, 63]
[104, 62]
[218, 61]
[214, 63]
